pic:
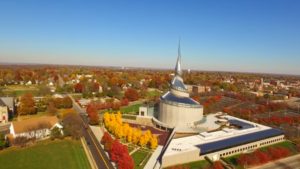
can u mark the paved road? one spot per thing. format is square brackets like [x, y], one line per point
[292, 162]
[97, 151]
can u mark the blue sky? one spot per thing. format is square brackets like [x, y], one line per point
[227, 35]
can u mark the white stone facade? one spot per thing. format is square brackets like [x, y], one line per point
[179, 116]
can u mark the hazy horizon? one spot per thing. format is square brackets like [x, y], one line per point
[235, 36]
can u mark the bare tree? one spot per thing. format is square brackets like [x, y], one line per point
[72, 125]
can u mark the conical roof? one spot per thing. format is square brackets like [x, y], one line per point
[178, 70]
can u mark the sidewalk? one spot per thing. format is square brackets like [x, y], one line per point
[97, 131]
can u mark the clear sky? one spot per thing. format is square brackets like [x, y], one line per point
[227, 35]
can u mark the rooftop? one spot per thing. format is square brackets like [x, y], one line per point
[34, 124]
[205, 142]
[182, 100]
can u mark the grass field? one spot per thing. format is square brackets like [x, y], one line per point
[18, 90]
[138, 157]
[61, 154]
[132, 109]
[152, 94]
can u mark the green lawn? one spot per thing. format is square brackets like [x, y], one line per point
[151, 94]
[132, 109]
[61, 154]
[138, 157]
[18, 90]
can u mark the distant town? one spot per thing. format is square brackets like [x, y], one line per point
[96, 117]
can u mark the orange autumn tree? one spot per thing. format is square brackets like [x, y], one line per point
[27, 105]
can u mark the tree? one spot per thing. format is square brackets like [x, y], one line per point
[3, 142]
[217, 165]
[20, 141]
[124, 102]
[44, 90]
[55, 133]
[153, 142]
[72, 125]
[117, 150]
[51, 109]
[106, 138]
[93, 114]
[67, 102]
[79, 88]
[131, 94]
[262, 157]
[126, 162]
[27, 105]
[115, 91]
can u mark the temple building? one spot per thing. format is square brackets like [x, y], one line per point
[195, 136]
[176, 108]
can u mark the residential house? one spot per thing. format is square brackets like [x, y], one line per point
[3, 112]
[39, 127]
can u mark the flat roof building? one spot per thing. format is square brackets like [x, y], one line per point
[233, 137]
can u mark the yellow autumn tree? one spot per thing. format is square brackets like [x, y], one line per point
[119, 117]
[142, 141]
[147, 135]
[129, 134]
[153, 142]
[113, 123]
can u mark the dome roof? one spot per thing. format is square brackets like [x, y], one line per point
[181, 100]
[177, 84]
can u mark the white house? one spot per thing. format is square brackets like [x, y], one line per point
[3, 112]
[38, 128]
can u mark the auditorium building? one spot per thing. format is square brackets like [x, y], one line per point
[210, 136]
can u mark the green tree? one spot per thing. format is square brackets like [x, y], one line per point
[3, 142]
[55, 133]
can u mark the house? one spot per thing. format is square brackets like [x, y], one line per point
[38, 128]
[7, 108]
[10, 103]
[198, 88]
[3, 112]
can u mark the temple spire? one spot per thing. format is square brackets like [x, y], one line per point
[178, 70]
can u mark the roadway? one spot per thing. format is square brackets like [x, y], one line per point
[100, 158]
[292, 162]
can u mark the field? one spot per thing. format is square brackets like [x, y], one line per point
[132, 109]
[18, 90]
[140, 158]
[47, 154]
